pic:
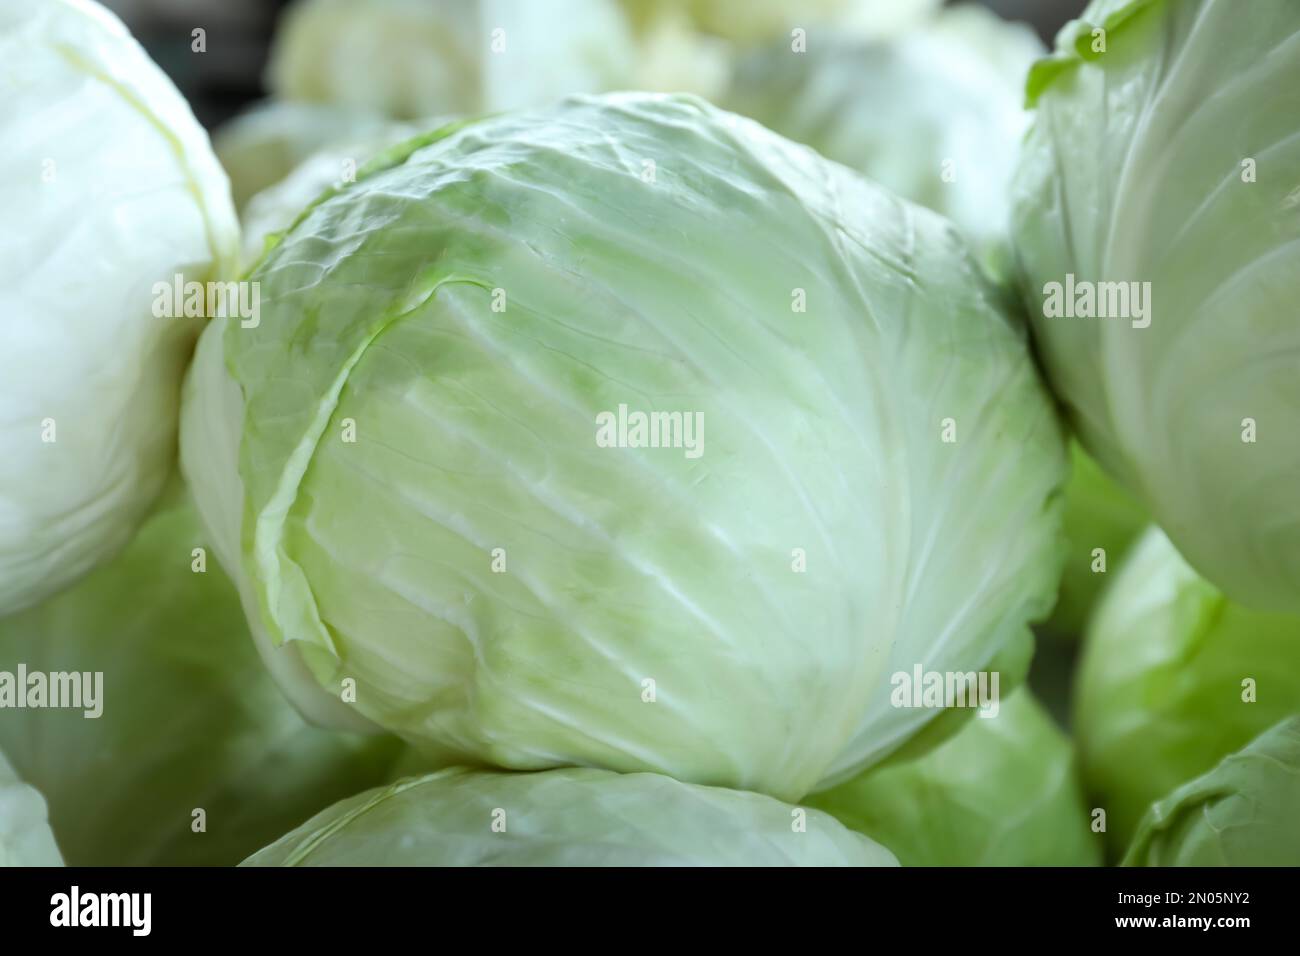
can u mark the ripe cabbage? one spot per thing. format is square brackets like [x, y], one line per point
[448, 56]
[935, 115]
[1004, 791]
[1241, 813]
[401, 461]
[108, 186]
[1173, 159]
[191, 719]
[1174, 677]
[569, 817]
[25, 835]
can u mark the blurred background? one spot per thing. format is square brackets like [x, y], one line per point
[229, 76]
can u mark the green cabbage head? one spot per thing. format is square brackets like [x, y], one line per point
[416, 467]
[568, 817]
[1240, 813]
[1157, 226]
[108, 185]
[1174, 677]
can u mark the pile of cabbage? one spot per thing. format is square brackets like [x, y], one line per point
[630, 424]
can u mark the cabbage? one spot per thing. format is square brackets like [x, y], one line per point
[935, 115]
[264, 144]
[1174, 677]
[448, 56]
[1241, 813]
[1173, 159]
[25, 835]
[404, 465]
[108, 186]
[1098, 515]
[190, 718]
[570, 817]
[1003, 792]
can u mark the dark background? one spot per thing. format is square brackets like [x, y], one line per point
[220, 82]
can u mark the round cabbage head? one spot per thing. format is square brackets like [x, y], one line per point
[108, 186]
[935, 115]
[182, 751]
[628, 434]
[1174, 677]
[448, 56]
[1003, 791]
[1157, 227]
[568, 817]
[25, 835]
[1240, 813]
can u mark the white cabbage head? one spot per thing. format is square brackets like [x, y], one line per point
[407, 462]
[1157, 227]
[108, 186]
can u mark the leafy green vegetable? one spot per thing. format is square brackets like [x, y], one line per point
[108, 186]
[1241, 813]
[570, 817]
[1174, 677]
[1156, 226]
[1003, 792]
[404, 461]
[191, 719]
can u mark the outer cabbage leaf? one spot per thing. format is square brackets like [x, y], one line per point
[108, 186]
[1241, 813]
[1174, 677]
[935, 115]
[1003, 792]
[191, 720]
[569, 817]
[732, 618]
[448, 56]
[25, 835]
[1173, 158]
